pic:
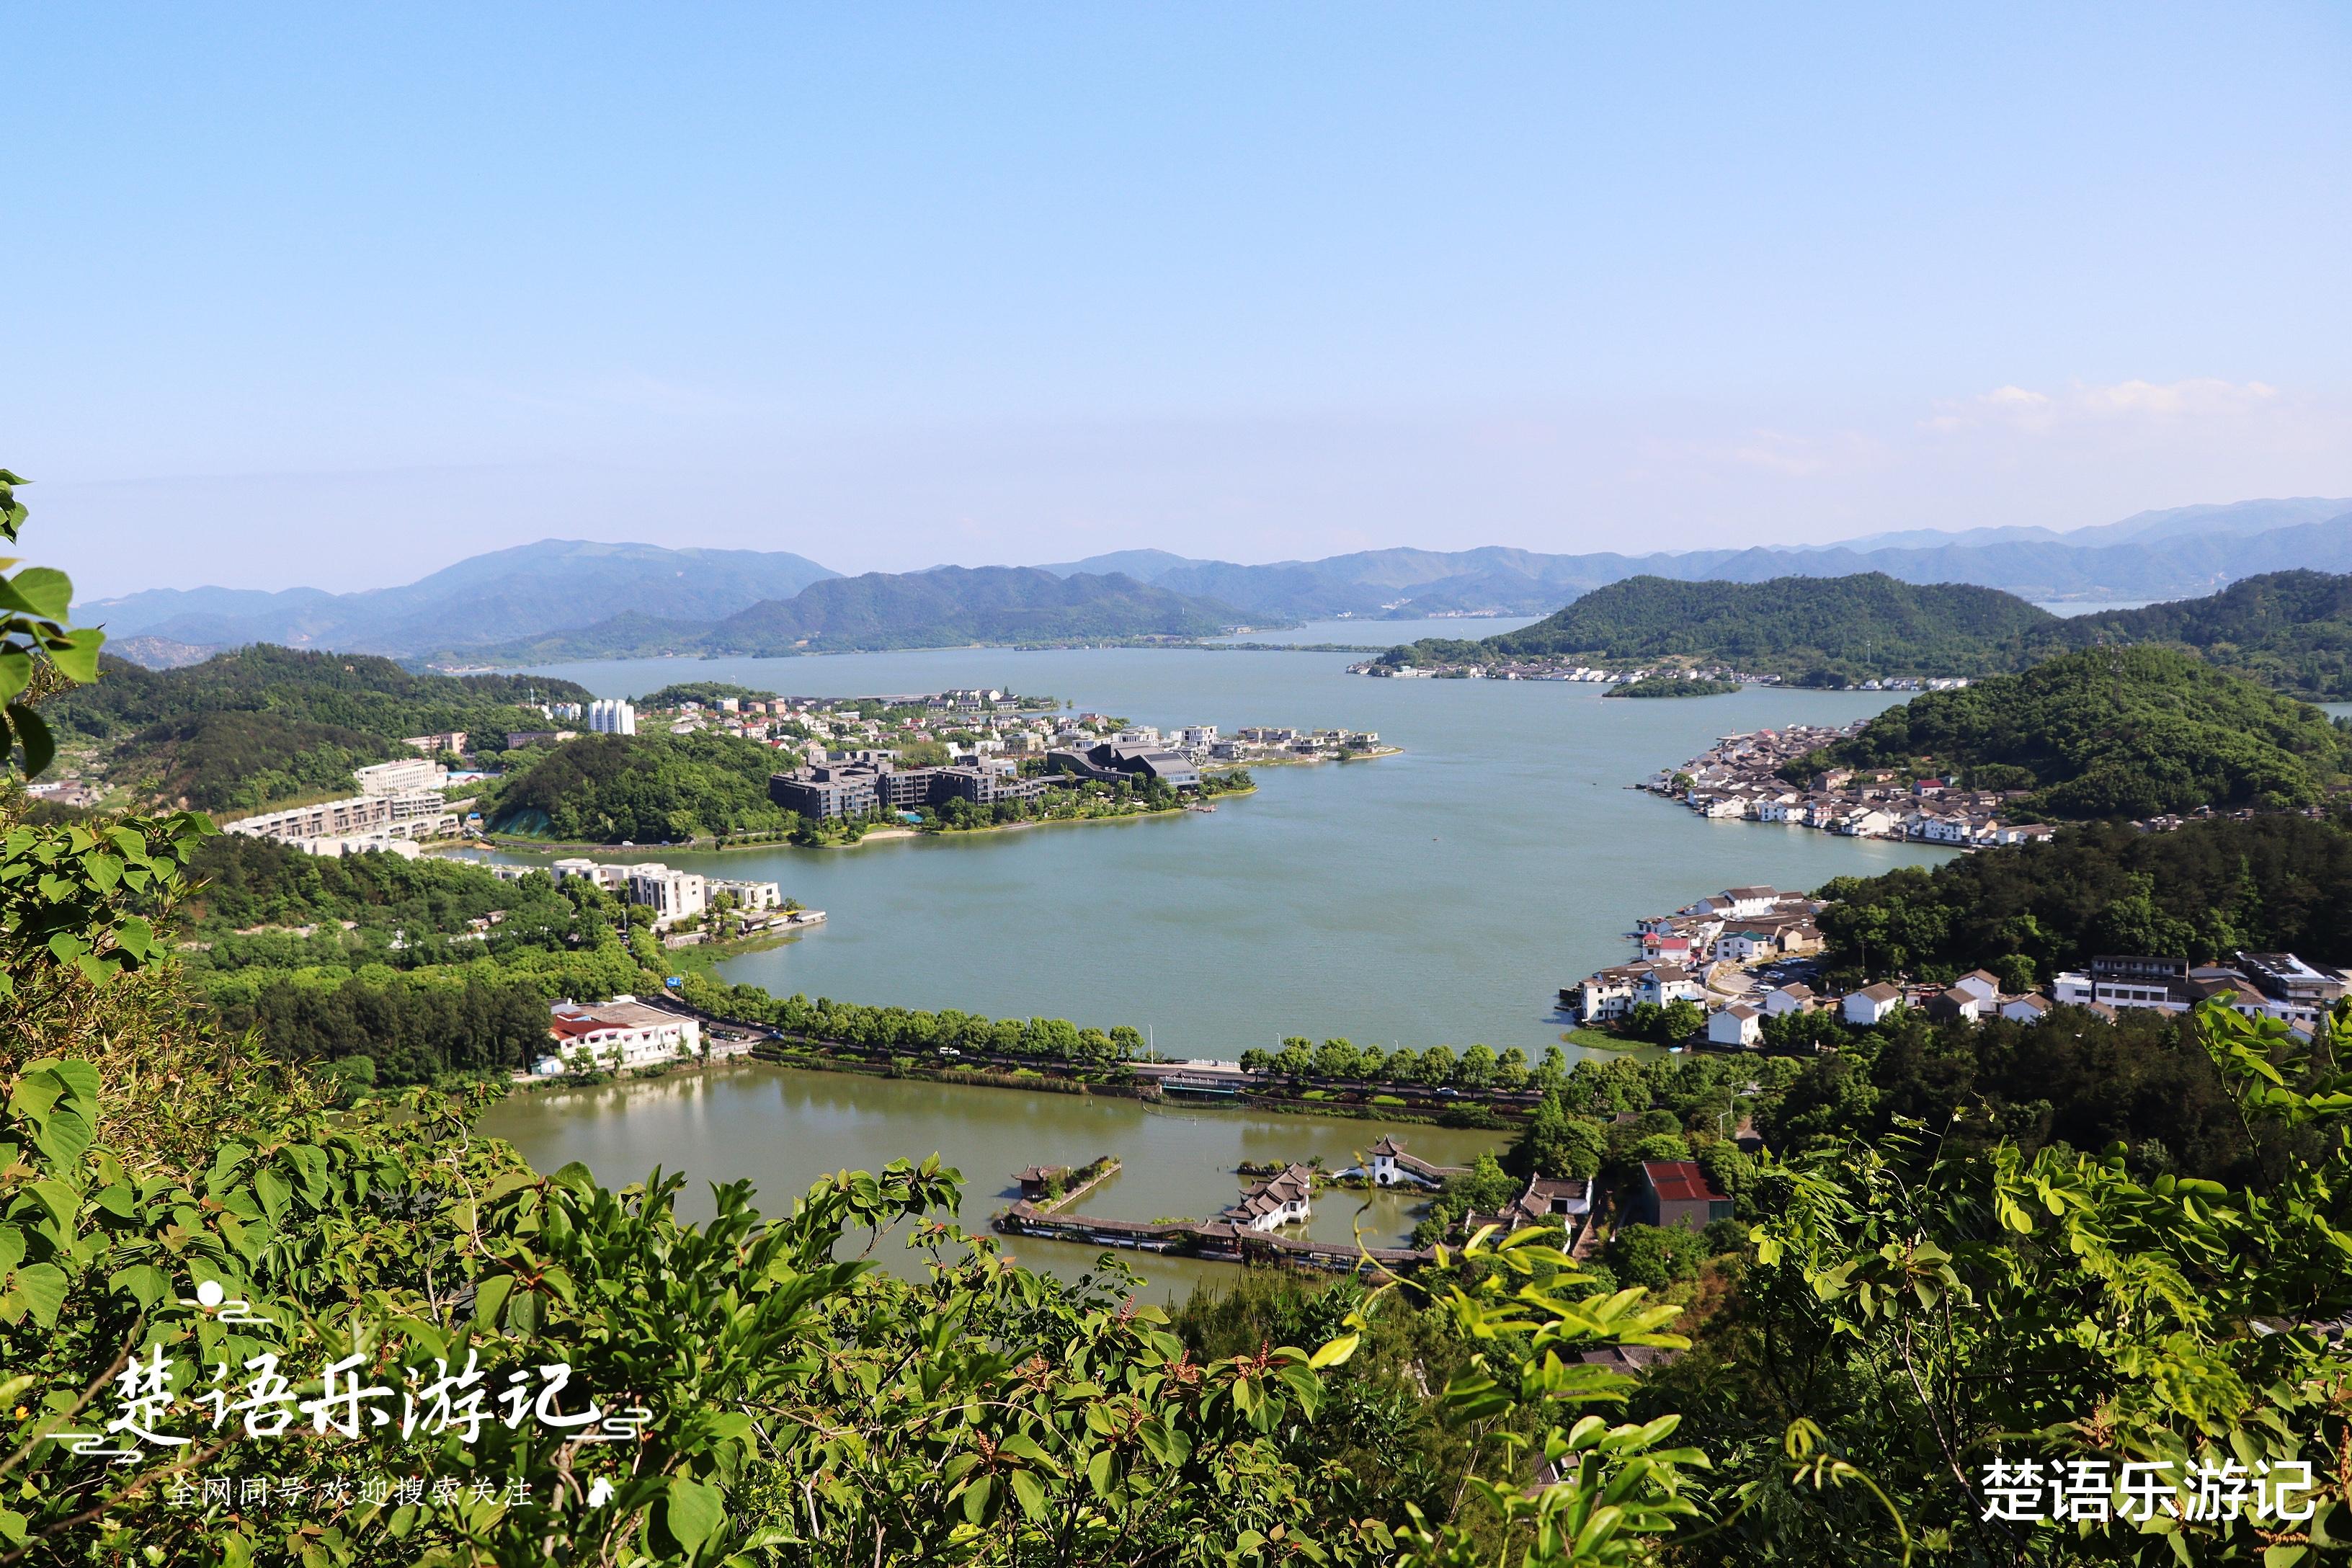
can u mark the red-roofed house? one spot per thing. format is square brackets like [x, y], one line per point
[1676, 1192]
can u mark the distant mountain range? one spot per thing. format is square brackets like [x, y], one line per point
[571, 599]
[551, 585]
[2182, 553]
[943, 608]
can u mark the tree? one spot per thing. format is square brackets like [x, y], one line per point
[1475, 1070]
[1557, 1144]
[1680, 1020]
[1653, 1256]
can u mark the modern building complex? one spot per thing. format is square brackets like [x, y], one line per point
[398, 802]
[616, 1035]
[613, 716]
[1122, 760]
[878, 783]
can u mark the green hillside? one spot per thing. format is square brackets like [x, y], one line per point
[2274, 883]
[2290, 630]
[946, 607]
[262, 724]
[639, 789]
[1825, 629]
[2112, 733]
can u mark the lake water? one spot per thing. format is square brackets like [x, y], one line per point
[786, 1127]
[1443, 895]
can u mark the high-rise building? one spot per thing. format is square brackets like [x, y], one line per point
[613, 716]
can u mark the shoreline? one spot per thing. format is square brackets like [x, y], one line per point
[513, 842]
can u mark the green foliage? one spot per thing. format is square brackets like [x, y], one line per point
[710, 693]
[1556, 1143]
[260, 724]
[1867, 625]
[2274, 883]
[2113, 732]
[1672, 686]
[1653, 1256]
[2290, 630]
[2141, 1083]
[33, 605]
[643, 789]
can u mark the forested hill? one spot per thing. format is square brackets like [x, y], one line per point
[1834, 628]
[261, 724]
[947, 606]
[2290, 630]
[2273, 883]
[2112, 733]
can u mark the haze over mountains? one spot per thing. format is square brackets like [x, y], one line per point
[572, 599]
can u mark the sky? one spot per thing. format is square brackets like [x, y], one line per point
[336, 295]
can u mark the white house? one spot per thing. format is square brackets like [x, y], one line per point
[749, 897]
[1979, 983]
[671, 895]
[1872, 1004]
[620, 1033]
[1277, 1200]
[2030, 1008]
[1746, 944]
[1737, 1026]
[1788, 999]
[1666, 984]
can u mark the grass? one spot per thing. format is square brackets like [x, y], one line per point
[1601, 1040]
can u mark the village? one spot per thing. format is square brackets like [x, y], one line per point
[1740, 777]
[1554, 669]
[1740, 963]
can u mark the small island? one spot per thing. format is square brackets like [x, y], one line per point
[1674, 686]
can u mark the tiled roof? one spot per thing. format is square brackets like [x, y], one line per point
[1679, 1181]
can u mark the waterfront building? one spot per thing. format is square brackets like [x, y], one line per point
[876, 783]
[1738, 1028]
[620, 1033]
[672, 895]
[749, 897]
[1279, 1200]
[613, 716]
[1392, 1166]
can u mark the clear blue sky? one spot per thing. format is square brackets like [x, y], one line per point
[339, 294]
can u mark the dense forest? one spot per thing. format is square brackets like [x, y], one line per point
[2275, 882]
[2290, 630]
[2104, 733]
[1828, 630]
[640, 789]
[261, 724]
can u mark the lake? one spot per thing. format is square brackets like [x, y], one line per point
[1443, 895]
[785, 1128]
